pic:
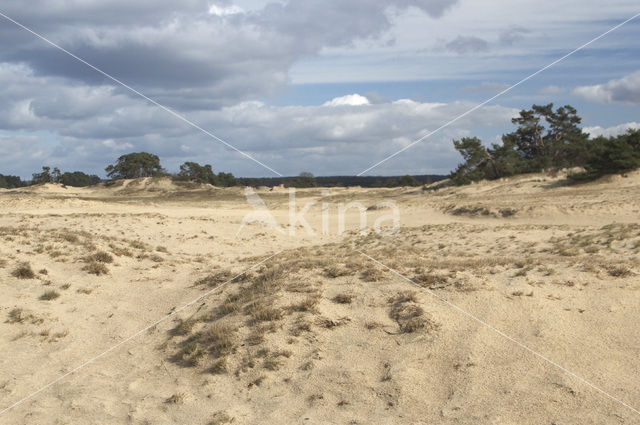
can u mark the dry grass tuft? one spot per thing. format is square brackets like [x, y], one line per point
[23, 271]
[175, 399]
[406, 313]
[308, 304]
[221, 418]
[430, 280]
[96, 268]
[121, 252]
[619, 271]
[99, 257]
[335, 270]
[49, 295]
[372, 274]
[216, 341]
[261, 313]
[343, 299]
[216, 279]
[17, 315]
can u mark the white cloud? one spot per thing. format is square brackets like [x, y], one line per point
[224, 11]
[350, 99]
[622, 90]
[611, 131]
[344, 135]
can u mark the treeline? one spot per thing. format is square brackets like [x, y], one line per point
[546, 140]
[144, 164]
[342, 181]
[75, 178]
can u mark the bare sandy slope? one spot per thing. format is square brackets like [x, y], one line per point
[320, 333]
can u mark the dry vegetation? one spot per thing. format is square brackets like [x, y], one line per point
[319, 333]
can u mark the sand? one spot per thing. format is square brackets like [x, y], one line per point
[319, 333]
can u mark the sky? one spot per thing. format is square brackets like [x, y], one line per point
[330, 87]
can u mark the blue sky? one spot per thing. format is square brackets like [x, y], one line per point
[262, 76]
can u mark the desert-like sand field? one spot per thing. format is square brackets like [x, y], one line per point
[140, 302]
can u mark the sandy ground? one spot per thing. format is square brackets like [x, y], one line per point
[320, 333]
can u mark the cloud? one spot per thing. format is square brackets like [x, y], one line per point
[467, 44]
[623, 90]
[611, 131]
[81, 126]
[512, 35]
[195, 55]
[350, 99]
[225, 10]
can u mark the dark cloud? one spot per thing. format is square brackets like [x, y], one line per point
[467, 44]
[189, 57]
[512, 35]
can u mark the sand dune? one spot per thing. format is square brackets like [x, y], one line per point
[320, 333]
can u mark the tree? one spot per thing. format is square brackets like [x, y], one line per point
[403, 181]
[305, 179]
[10, 182]
[43, 177]
[544, 138]
[192, 171]
[56, 175]
[475, 157]
[135, 165]
[609, 155]
[78, 179]
[226, 179]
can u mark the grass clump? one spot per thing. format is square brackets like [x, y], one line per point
[100, 257]
[220, 418]
[96, 268]
[219, 366]
[216, 341]
[260, 313]
[139, 245]
[23, 271]
[343, 299]
[334, 271]
[406, 313]
[121, 252]
[372, 274]
[156, 258]
[49, 295]
[307, 304]
[619, 271]
[16, 315]
[216, 279]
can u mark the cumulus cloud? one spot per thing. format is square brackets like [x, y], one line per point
[197, 54]
[350, 99]
[611, 131]
[344, 135]
[622, 90]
